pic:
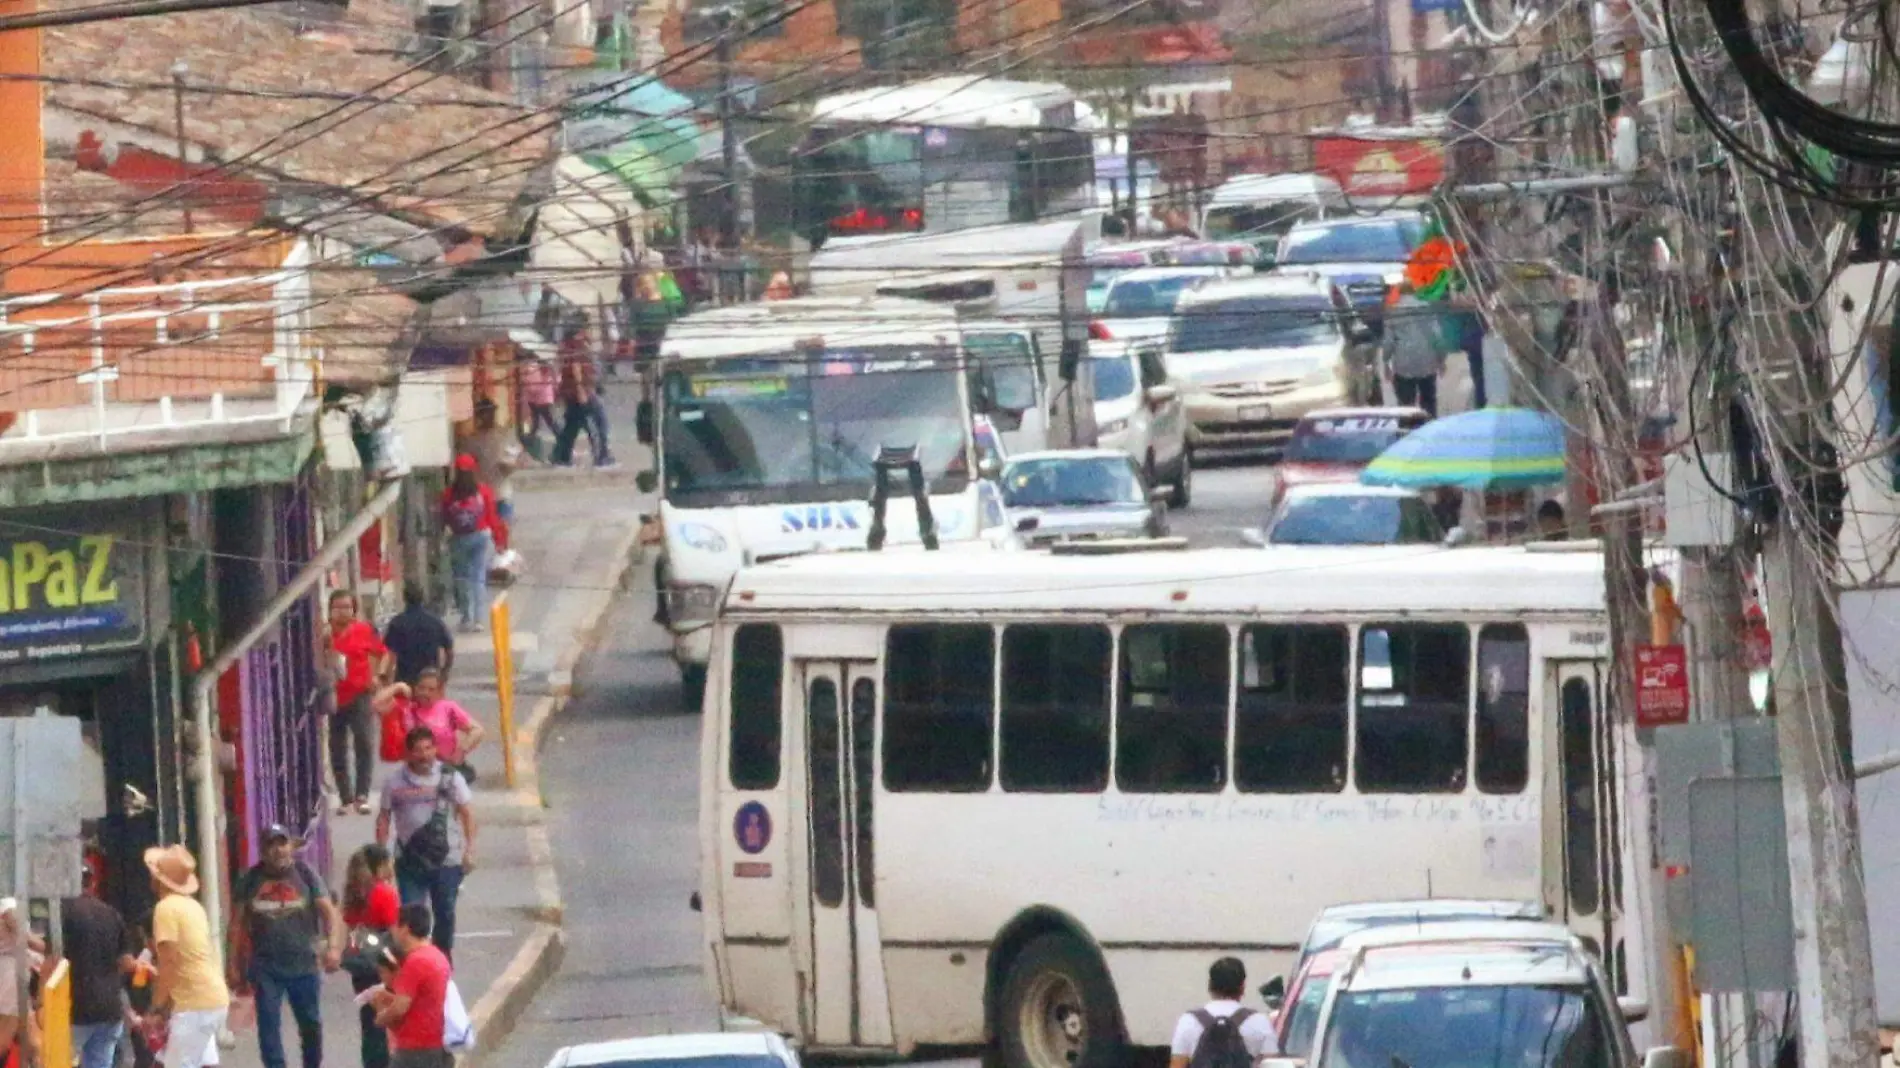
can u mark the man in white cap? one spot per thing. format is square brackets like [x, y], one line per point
[189, 996]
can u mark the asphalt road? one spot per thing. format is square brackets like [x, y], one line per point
[1230, 494]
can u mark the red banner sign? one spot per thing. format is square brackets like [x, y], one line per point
[1662, 685]
[1380, 167]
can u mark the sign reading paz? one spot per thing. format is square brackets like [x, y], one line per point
[1662, 685]
[68, 594]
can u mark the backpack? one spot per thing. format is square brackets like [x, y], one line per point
[1221, 1045]
[424, 851]
[464, 514]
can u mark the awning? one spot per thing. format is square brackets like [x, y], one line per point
[641, 131]
[650, 157]
[577, 247]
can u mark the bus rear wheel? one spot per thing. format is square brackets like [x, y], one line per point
[1057, 1009]
[692, 687]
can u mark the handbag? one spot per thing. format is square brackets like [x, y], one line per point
[243, 1014]
[395, 735]
[458, 1031]
[426, 850]
[363, 955]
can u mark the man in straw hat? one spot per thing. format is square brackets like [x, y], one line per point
[189, 996]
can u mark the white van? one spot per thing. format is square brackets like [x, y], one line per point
[1259, 208]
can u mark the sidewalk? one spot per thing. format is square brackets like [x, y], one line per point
[577, 535]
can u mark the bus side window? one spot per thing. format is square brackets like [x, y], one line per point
[939, 709]
[1171, 721]
[1290, 724]
[1414, 708]
[1055, 708]
[1504, 718]
[758, 669]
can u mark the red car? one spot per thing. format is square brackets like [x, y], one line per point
[1335, 444]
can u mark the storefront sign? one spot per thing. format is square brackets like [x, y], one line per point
[66, 594]
[1383, 167]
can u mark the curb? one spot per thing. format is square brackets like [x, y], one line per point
[494, 1017]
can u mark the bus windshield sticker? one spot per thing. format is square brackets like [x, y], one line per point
[720, 388]
[752, 827]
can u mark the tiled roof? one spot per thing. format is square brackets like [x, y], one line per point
[255, 86]
[359, 322]
[79, 203]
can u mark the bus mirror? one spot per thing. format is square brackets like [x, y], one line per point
[1273, 992]
[989, 467]
[643, 422]
[693, 902]
[646, 481]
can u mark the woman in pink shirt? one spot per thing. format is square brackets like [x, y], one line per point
[456, 732]
[537, 390]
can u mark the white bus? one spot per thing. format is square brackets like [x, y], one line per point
[1024, 798]
[944, 154]
[769, 420]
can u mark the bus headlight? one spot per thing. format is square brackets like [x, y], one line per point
[692, 603]
[702, 537]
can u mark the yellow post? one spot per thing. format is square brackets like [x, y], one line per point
[56, 1017]
[504, 683]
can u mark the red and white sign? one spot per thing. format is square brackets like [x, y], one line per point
[1662, 685]
[1381, 167]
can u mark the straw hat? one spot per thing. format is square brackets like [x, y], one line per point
[174, 867]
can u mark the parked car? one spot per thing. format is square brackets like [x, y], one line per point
[1451, 995]
[1254, 355]
[1360, 255]
[1333, 445]
[1140, 303]
[1295, 1003]
[1350, 515]
[723, 1050]
[1139, 412]
[1080, 494]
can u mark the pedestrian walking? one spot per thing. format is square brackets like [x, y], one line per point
[1414, 350]
[468, 511]
[189, 998]
[425, 810]
[418, 638]
[100, 951]
[538, 383]
[414, 1007]
[497, 454]
[360, 658]
[281, 911]
[584, 412]
[456, 733]
[1223, 1033]
[370, 908]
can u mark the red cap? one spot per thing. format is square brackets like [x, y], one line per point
[465, 462]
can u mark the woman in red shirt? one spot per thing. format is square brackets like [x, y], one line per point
[370, 905]
[468, 511]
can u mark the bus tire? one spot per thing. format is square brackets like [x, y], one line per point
[692, 687]
[1058, 1008]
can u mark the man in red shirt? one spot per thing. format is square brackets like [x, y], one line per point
[358, 658]
[414, 1007]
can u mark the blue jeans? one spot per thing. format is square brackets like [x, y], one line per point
[439, 888]
[469, 555]
[98, 1044]
[305, 993]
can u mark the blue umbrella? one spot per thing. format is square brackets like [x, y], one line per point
[1487, 449]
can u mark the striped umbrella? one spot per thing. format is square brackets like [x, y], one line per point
[1487, 449]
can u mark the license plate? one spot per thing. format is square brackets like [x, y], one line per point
[1255, 413]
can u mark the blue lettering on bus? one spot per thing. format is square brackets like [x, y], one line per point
[818, 517]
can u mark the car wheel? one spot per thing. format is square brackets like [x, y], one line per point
[1183, 482]
[1058, 1009]
[692, 687]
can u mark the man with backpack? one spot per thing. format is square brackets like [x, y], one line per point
[1223, 1034]
[283, 910]
[426, 806]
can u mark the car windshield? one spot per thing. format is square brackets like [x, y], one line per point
[1149, 297]
[1347, 440]
[1114, 379]
[1012, 366]
[1304, 1018]
[1350, 519]
[791, 427]
[1255, 323]
[1467, 1027]
[1347, 243]
[1056, 482]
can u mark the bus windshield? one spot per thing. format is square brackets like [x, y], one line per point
[781, 429]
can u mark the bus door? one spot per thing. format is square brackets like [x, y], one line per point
[1583, 875]
[842, 954]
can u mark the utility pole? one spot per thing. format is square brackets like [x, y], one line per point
[728, 152]
[1130, 97]
[178, 72]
